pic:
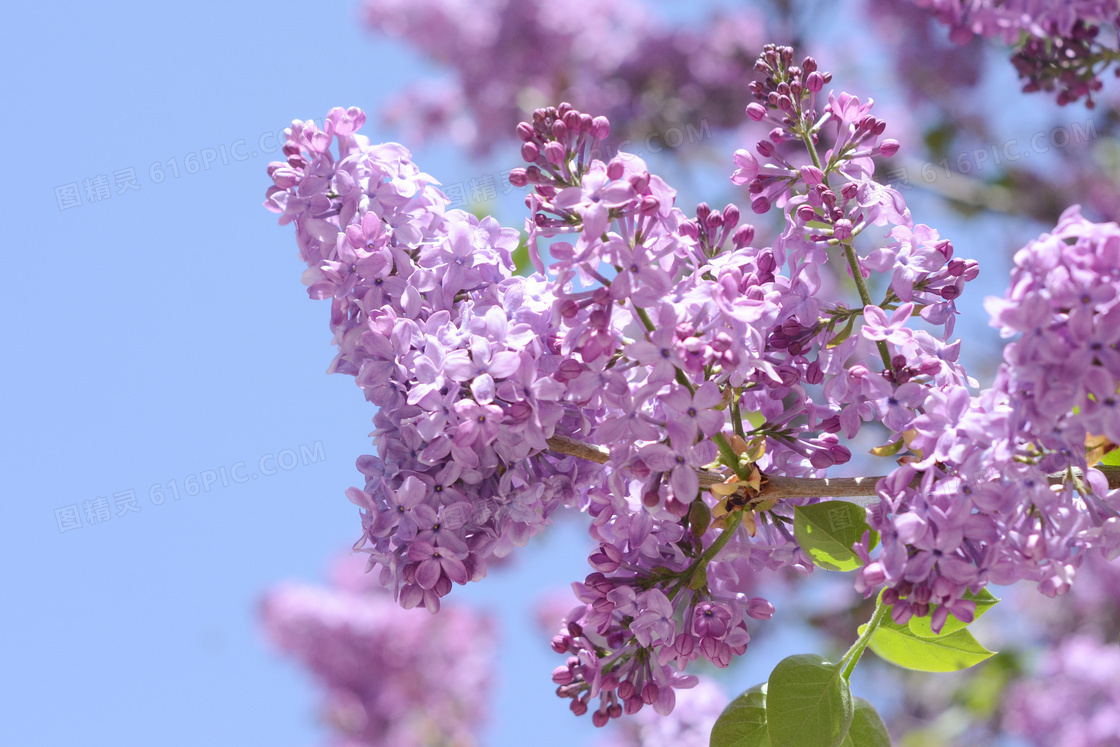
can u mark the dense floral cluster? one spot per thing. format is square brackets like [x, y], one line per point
[508, 57]
[1057, 38]
[392, 676]
[456, 353]
[977, 504]
[691, 364]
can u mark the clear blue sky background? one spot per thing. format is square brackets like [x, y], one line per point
[161, 332]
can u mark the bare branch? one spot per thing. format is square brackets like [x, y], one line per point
[777, 487]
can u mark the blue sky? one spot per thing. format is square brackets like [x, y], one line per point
[157, 340]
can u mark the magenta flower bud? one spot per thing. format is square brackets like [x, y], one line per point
[806, 213]
[842, 229]
[756, 111]
[530, 152]
[849, 191]
[600, 128]
[560, 130]
[585, 122]
[615, 170]
[554, 153]
[626, 689]
[650, 691]
[814, 82]
[759, 609]
[562, 675]
[650, 205]
[760, 205]
[517, 177]
[889, 147]
[571, 122]
[731, 216]
[743, 236]
[690, 229]
[600, 719]
[525, 131]
[812, 175]
[777, 135]
[640, 182]
[901, 612]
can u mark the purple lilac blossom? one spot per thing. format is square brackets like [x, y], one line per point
[624, 339]
[391, 676]
[977, 505]
[1056, 38]
[455, 351]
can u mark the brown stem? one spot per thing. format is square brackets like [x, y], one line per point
[783, 487]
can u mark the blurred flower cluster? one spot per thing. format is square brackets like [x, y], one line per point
[391, 676]
[507, 58]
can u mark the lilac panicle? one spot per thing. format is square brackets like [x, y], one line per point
[390, 676]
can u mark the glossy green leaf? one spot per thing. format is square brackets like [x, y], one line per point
[867, 729]
[945, 653]
[827, 531]
[743, 722]
[923, 626]
[807, 703]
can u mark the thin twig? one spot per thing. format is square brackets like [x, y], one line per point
[777, 487]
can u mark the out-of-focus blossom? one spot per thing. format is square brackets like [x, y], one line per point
[391, 676]
[507, 57]
[1073, 700]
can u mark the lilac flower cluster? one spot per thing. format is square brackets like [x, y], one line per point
[1056, 38]
[1073, 700]
[392, 676]
[675, 320]
[691, 365]
[507, 57]
[976, 504]
[455, 352]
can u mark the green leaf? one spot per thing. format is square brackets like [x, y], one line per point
[923, 626]
[827, 531]
[867, 729]
[888, 450]
[1112, 458]
[756, 419]
[520, 255]
[743, 722]
[844, 334]
[945, 653]
[807, 703]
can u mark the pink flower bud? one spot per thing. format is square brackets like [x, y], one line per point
[756, 111]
